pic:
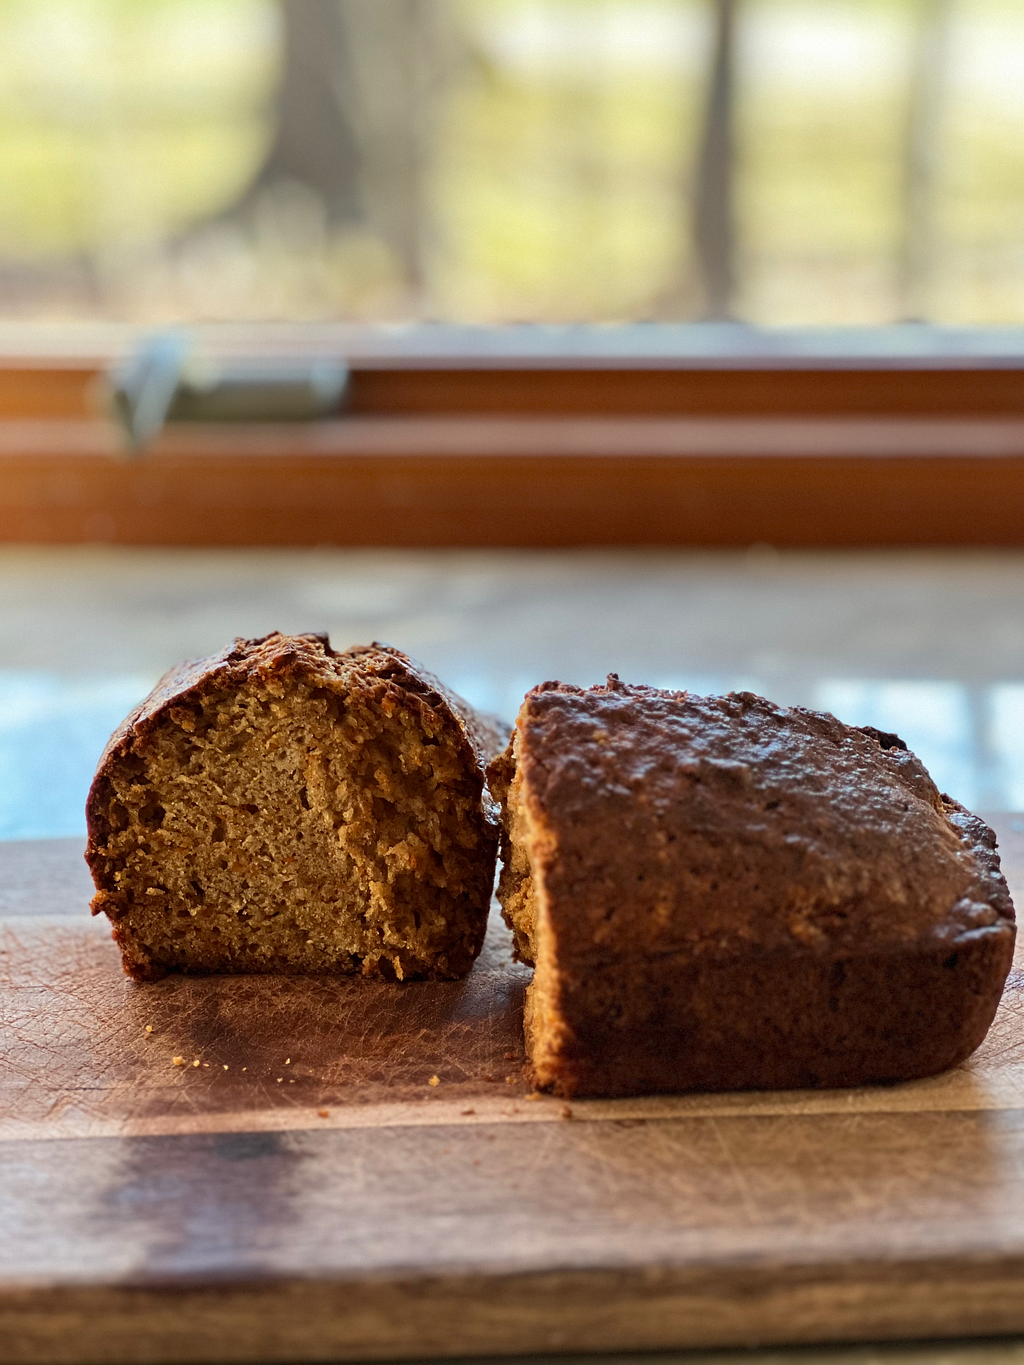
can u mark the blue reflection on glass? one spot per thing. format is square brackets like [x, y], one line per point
[52, 731]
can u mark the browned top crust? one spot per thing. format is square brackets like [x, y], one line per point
[666, 822]
[401, 681]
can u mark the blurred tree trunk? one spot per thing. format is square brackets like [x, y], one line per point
[916, 261]
[354, 117]
[714, 227]
[316, 142]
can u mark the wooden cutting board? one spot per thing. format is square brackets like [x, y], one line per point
[343, 1169]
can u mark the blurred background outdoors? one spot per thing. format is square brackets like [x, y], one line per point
[779, 161]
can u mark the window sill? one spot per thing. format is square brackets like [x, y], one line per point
[531, 481]
[542, 436]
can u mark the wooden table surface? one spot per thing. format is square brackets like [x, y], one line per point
[300, 1190]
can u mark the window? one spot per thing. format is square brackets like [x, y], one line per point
[779, 161]
[331, 177]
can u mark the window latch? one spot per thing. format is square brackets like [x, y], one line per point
[164, 380]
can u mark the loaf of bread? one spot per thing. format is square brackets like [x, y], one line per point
[283, 807]
[722, 894]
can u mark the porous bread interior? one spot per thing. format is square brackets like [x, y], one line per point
[521, 894]
[515, 885]
[286, 826]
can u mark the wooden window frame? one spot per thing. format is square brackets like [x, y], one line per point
[541, 437]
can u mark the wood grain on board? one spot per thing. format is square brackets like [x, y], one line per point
[306, 1193]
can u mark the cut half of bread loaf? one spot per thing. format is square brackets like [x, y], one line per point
[723, 894]
[284, 807]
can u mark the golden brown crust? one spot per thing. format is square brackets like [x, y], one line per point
[382, 678]
[731, 894]
[487, 734]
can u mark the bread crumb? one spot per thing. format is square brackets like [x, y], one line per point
[323, 1113]
[287, 1061]
[206, 1064]
[149, 1028]
[535, 1095]
[291, 1080]
[434, 1080]
[177, 1061]
[245, 1068]
[510, 1080]
[280, 1079]
[565, 1112]
[225, 1066]
[196, 1062]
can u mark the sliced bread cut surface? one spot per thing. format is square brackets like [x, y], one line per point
[719, 893]
[285, 807]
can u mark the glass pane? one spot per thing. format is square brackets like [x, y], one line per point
[780, 161]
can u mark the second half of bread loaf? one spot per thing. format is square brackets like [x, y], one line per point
[720, 893]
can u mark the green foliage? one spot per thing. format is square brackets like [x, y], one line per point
[559, 165]
[123, 120]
